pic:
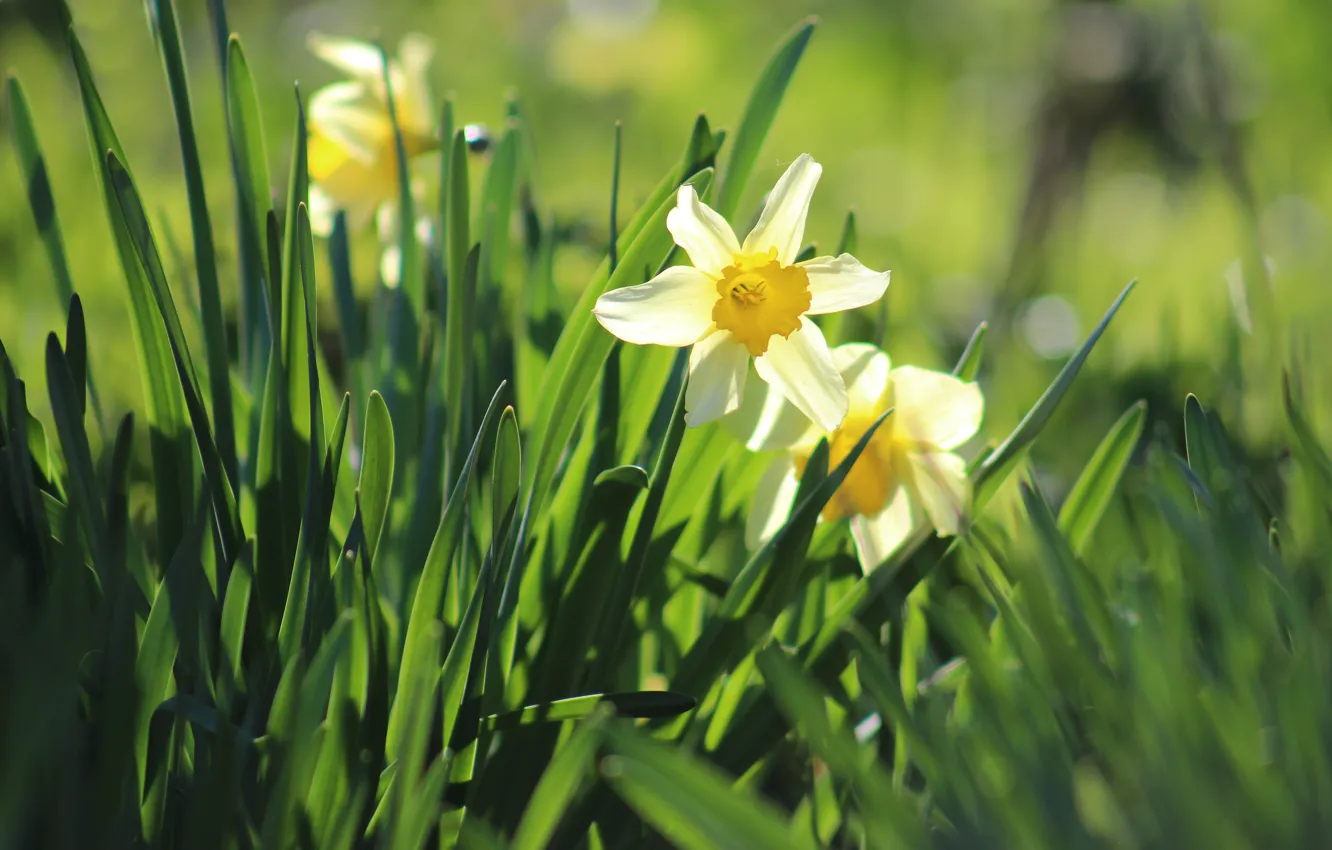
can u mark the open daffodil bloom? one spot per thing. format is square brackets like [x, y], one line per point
[353, 156]
[750, 300]
[908, 473]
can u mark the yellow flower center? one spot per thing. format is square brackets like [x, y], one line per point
[758, 297]
[875, 476]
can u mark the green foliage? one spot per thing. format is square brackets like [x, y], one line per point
[534, 626]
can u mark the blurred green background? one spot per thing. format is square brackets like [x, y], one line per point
[1009, 160]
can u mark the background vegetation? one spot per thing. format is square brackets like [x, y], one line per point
[270, 627]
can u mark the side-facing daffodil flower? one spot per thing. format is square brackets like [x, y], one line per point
[353, 158]
[907, 474]
[751, 300]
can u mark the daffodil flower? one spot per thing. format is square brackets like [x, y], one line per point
[908, 474]
[353, 157]
[747, 301]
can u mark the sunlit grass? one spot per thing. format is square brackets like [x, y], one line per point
[313, 561]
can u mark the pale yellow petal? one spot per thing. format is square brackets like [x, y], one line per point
[705, 235]
[864, 370]
[938, 481]
[878, 536]
[772, 502]
[935, 409]
[717, 369]
[801, 368]
[782, 223]
[842, 283]
[674, 308]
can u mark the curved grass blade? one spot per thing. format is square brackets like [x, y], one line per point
[376, 484]
[646, 231]
[167, 420]
[969, 363]
[1095, 487]
[886, 819]
[461, 297]
[74, 443]
[1004, 459]
[760, 111]
[249, 163]
[428, 602]
[560, 783]
[162, 18]
[579, 355]
[32, 163]
[688, 801]
[225, 512]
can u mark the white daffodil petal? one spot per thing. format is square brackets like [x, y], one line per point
[939, 482]
[864, 370]
[801, 368]
[936, 409]
[842, 283]
[705, 235]
[878, 536]
[766, 421]
[772, 502]
[674, 308]
[782, 223]
[357, 59]
[717, 369]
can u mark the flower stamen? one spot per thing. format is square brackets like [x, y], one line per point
[758, 298]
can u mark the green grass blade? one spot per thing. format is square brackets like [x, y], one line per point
[311, 564]
[74, 443]
[1095, 487]
[158, 647]
[760, 111]
[37, 181]
[582, 349]
[420, 698]
[166, 417]
[407, 302]
[887, 821]
[560, 784]
[225, 512]
[626, 588]
[376, 484]
[76, 352]
[687, 801]
[568, 367]
[969, 363]
[428, 602]
[162, 18]
[231, 629]
[270, 523]
[249, 162]
[461, 297]
[1004, 459]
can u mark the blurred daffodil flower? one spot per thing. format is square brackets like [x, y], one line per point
[750, 300]
[353, 157]
[908, 473]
